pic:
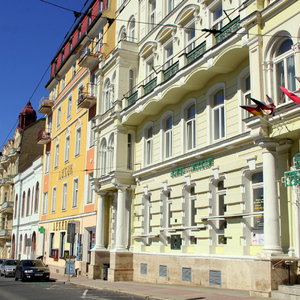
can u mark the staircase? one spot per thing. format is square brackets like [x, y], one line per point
[287, 292]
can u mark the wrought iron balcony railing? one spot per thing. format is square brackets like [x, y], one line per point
[228, 30]
[195, 53]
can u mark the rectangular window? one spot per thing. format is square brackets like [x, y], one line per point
[58, 116]
[53, 207]
[69, 108]
[90, 189]
[56, 158]
[47, 162]
[152, 14]
[75, 193]
[67, 149]
[64, 196]
[62, 244]
[168, 56]
[51, 242]
[45, 204]
[92, 133]
[78, 141]
[258, 199]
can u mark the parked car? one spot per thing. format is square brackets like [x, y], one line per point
[8, 267]
[32, 269]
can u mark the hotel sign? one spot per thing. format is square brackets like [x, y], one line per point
[66, 172]
[200, 165]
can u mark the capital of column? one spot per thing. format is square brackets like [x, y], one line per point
[269, 145]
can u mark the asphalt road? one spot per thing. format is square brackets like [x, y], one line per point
[40, 290]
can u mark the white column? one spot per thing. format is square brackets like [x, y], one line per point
[120, 226]
[100, 222]
[271, 212]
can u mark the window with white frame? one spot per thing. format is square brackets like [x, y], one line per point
[90, 189]
[100, 41]
[53, 206]
[67, 148]
[284, 64]
[149, 64]
[131, 82]
[92, 132]
[131, 30]
[103, 150]
[190, 36]
[246, 89]
[217, 16]
[51, 242]
[62, 244]
[170, 5]
[168, 57]
[74, 69]
[258, 199]
[167, 135]
[64, 196]
[122, 35]
[130, 150]
[219, 114]
[152, 14]
[47, 162]
[111, 153]
[45, 203]
[221, 192]
[69, 108]
[58, 119]
[75, 193]
[191, 127]
[63, 82]
[148, 135]
[107, 96]
[78, 141]
[56, 158]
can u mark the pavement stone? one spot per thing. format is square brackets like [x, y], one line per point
[158, 291]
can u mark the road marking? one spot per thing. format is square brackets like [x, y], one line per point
[50, 288]
[84, 294]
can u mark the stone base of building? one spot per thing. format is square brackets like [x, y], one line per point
[252, 274]
[96, 269]
[121, 266]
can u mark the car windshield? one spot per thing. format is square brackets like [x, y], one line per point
[11, 263]
[33, 263]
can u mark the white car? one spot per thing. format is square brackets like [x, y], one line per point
[8, 267]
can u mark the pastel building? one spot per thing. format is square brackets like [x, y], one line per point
[69, 139]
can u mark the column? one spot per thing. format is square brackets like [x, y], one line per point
[120, 226]
[100, 222]
[271, 212]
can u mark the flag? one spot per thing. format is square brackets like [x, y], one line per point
[291, 95]
[263, 106]
[271, 102]
[253, 109]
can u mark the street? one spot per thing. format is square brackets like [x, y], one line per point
[37, 290]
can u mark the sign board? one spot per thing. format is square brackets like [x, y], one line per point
[70, 265]
[93, 237]
[71, 233]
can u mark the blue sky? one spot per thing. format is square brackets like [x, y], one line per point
[32, 32]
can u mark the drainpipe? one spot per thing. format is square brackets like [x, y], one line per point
[18, 223]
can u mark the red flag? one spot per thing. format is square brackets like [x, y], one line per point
[253, 109]
[291, 95]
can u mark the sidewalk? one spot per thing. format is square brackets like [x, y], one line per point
[159, 291]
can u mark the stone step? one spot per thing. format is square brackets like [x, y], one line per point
[287, 292]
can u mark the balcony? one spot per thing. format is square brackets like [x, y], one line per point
[7, 207]
[195, 53]
[87, 96]
[88, 60]
[132, 98]
[13, 154]
[172, 70]
[44, 137]
[148, 87]
[45, 105]
[5, 161]
[227, 30]
[5, 233]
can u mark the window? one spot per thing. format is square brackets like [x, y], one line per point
[131, 31]
[217, 13]
[131, 82]
[149, 69]
[37, 197]
[63, 82]
[107, 98]
[80, 96]
[16, 207]
[70, 44]
[78, 141]
[102, 153]
[28, 203]
[67, 148]
[62, 54]
[258, 199]
[53, 207]
[90, 189]
[79, 31]
[246, 90]
[23, 205]
[147, 216]
[168, 55]
[25, 241]
[148, 134]
[192, 208]
[51, 242]
[284, 69]
[122, 35]
[218, 114]
[74, 70]
[191, 127]
[190, 37]
[56, 158]
[69, 108]
[58, 117]
[167, 135]
[32, 201]
[92, 132]
[152, 14]
[62, 244]
[130, 148]
[90, 16]
[221, 192]
[64, 196]
[170, 5]
[21, 244]
[75, 193]
[111, 153]
[47, 162]
[45, 203]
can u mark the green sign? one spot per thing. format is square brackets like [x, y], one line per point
[200, 165]
[42, 229]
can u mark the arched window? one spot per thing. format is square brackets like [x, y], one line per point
[122, 35]
[24, 247]
[107, 96]
[33, 242]
[111, 153]
[16, 207]
[103, 150]
[131, 30]
[167, 135]
[131, 82]
[23, 205]
[32, 201]
[191, 127]
[21, 244]
[37, 197]
[28, 203]
[284, 69]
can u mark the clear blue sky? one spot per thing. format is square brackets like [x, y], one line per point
[32, 32]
